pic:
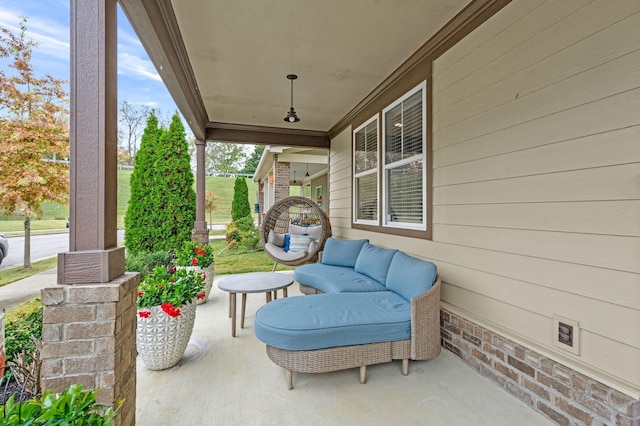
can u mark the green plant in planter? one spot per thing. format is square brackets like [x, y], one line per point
[169, 289]
[193, 253]
[73, 406]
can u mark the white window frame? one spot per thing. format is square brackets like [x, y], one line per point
[385, 167]
[375, 170]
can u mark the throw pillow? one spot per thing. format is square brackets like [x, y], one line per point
[287, 242]
[297, 229]
[300, 243]
[315, 231]
[275, 239]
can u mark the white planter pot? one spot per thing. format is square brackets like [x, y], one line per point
[161, 338]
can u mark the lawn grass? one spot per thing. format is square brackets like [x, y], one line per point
[233, 262]
[14, 274]
[54, 217]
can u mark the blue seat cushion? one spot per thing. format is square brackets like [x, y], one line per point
[331, 320]
[335, 279]
[342, 252]
[409, 276]
[374, 262]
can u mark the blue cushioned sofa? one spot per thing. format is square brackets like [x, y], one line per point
[365, 305]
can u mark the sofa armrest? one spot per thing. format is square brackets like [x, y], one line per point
[425, 323]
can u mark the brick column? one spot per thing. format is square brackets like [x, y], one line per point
[89, 338]
[282, 173]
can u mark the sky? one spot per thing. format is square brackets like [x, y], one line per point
[48, 25]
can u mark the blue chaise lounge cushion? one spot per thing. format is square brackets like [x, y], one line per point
[335, 279]
[409, 276]
[374, 262]
[342, 252]
[330, 320]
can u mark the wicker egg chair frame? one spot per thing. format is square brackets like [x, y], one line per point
[291, 210]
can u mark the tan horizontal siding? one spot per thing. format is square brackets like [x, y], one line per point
[598, 184]
[451, 61]
[537, 179]
[562, 50]
[621, 76]
[589, 217]
[605, 115]
[603, 149]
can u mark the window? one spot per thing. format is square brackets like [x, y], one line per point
[404, 171]
[365, 166]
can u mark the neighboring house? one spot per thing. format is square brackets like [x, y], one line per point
[502, 142]
[284, 171]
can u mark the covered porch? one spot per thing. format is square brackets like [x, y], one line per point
[526, 148]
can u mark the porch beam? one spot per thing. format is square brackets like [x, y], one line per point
[243, 133]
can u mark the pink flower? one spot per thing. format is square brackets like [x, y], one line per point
[144, 314]
[172, 269]
[204, 275]
[171, 310]
[140, 293]
[194, 261]
[202, 295]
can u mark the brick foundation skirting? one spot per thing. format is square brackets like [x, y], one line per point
[565, 396]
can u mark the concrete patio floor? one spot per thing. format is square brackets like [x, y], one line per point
[223, 380]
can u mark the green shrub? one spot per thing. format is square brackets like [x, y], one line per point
[162, 206]
[243, 235]
[145, 262]
[21, 324]
[240, 207]
[71, 407]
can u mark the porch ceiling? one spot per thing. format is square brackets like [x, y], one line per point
[227, 61]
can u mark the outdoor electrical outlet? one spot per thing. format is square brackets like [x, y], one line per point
[566, 334]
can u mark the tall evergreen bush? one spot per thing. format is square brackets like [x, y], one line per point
[240, 205]
[162, 207]
[139, 218]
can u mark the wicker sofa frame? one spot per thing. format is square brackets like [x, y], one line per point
[278, 219]
[423, 345]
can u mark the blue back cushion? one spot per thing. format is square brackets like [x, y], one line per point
[342, 252]
[374, 262]
[409, 276]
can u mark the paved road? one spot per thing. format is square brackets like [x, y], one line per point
[42, 246]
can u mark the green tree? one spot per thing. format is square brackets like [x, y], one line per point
[175, 196]
[224, 158]
[240, 205]
[34, 135]
[252, 162]
[161, 209]
[139, 218]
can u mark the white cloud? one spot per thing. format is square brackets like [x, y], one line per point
[52, 37]
[130, 64]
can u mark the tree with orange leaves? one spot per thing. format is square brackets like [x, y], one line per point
[34, 134]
